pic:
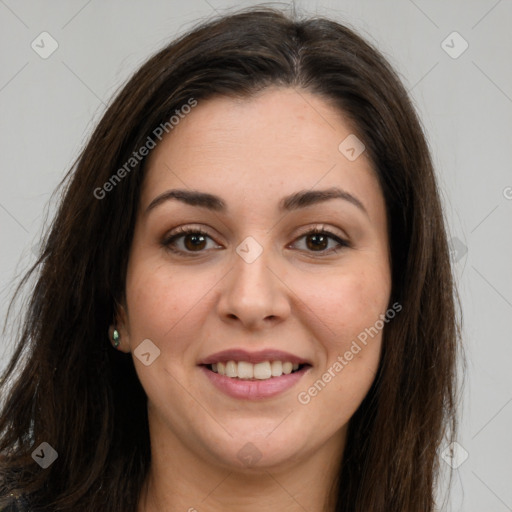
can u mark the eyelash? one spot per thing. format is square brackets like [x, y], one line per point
[181, 232]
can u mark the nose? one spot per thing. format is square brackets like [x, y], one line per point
[254, 294]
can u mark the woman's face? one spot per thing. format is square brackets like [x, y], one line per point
[253, 286]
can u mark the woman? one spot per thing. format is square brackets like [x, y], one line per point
[245, 301]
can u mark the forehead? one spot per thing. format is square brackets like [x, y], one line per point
[265, 146]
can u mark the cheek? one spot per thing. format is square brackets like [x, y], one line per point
[166, 305]
[345, 304]
[348, 330]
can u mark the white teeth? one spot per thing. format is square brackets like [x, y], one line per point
[277, 368]
[260, 371]
[231, 369]
[245, 370]
[287, 368]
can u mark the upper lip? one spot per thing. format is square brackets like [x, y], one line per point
[259, 356]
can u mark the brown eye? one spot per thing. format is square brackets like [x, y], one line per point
[317, 241]
[188, 241]
[322, 242]
[194, 241]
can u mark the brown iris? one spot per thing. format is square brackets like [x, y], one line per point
[197, 241]
[319, 241]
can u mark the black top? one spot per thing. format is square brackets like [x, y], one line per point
[19, 504]
[13, 507]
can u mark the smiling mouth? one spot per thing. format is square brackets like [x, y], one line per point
[266, 370]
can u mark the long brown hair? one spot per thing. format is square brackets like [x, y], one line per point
[69, 388]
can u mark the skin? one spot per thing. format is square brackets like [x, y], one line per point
[296, 296]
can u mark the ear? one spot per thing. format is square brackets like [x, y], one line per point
[121, 325]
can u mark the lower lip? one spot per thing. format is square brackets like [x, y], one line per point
[254, 389]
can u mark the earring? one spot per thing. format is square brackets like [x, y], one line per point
[115, 338]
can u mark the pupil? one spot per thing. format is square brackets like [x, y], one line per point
[318, 238]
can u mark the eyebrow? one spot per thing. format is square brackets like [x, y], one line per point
[295, 201]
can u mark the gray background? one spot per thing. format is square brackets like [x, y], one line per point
[49, 107]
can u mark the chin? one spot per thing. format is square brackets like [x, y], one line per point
[254, 445]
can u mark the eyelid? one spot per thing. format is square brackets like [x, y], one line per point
[188, 228]
[322, 228]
